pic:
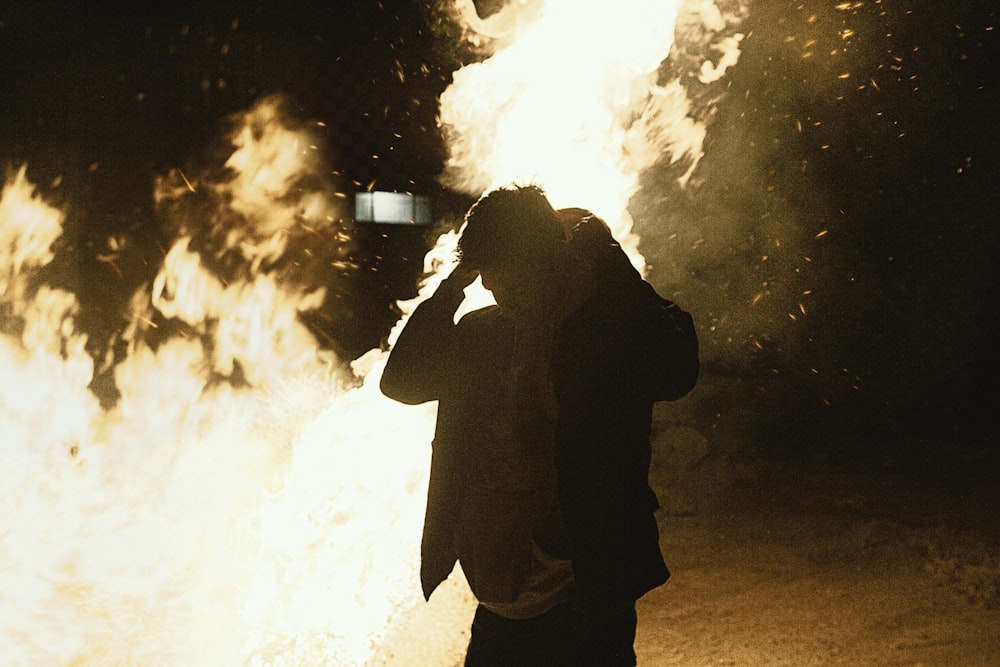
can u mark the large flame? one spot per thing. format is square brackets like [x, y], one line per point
[200, 522]
[276, 520]
[573, 103]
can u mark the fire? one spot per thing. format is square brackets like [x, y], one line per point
[574, 104]
[201, 522]
[276, 520]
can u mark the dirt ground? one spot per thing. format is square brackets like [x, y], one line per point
[815, 562]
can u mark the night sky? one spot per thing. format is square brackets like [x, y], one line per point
[836, 244]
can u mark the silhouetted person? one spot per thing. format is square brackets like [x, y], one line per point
[541, 453]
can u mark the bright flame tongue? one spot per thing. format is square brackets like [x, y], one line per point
[569, 106]
[198, 523]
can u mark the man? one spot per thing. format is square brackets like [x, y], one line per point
[541, 454]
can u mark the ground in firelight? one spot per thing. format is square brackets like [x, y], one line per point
[821, 560]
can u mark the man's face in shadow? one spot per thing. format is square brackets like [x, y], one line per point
[522, 290]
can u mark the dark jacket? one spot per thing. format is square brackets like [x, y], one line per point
[618, 349]
[460, 366]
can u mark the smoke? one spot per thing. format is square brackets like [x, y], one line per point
[837, 181]
[745, 241]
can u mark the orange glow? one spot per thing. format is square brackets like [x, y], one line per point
[276, 521]
[200, 523]
[573, 104]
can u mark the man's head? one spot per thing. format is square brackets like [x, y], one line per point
[515, 239]
[513, 223]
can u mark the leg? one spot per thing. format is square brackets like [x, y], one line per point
[490, 640]
[548, 640]
[610, 634]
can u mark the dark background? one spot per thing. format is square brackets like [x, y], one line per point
[836, 244]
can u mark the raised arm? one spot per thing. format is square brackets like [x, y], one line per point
[421, 361]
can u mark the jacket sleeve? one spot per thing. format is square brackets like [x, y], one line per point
[658, 335]
[672, 346]
[421, 361]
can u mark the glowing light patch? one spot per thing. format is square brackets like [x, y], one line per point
[276, 521]
[573, 104]
[197, 522]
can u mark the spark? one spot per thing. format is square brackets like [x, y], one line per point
[185, 178]
[110, 261]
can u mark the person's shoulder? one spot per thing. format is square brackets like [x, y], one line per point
[479, 316]
[482, 320]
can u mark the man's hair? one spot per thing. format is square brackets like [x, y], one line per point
[511, 222]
